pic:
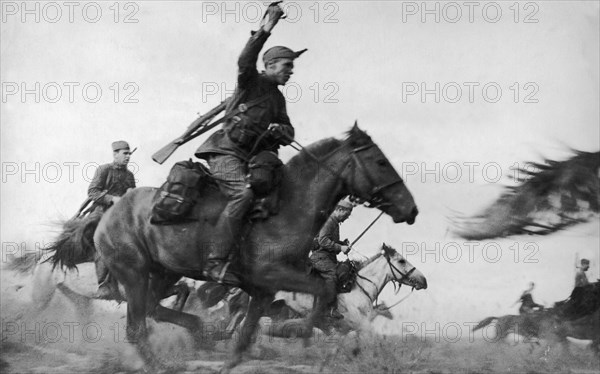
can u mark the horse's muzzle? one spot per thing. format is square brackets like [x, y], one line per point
[413, 216]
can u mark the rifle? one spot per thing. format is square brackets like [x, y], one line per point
[196, 128]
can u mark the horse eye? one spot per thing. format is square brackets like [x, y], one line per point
[381, 162]
[402, 261]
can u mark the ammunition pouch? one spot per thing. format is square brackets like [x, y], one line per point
[241, 132]
[178, 195]
[264, 172]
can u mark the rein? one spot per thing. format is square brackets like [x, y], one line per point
[395, 281]
[375, 201]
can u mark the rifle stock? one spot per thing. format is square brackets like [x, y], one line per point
[190, 133]
[165, 152]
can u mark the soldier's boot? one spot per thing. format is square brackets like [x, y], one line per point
[332, 304]
[223, 239]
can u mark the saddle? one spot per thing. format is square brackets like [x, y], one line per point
[188, 181]
[346, 274]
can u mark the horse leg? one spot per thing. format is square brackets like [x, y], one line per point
[129, 266]
[289, 279]
[257, 306]
[183, 292]
[160, 284]
[136, 288]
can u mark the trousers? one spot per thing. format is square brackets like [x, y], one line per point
[230, 174]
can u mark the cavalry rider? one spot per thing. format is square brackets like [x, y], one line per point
[111, 181]
[257, 121]
[527, 303]
[580, 277]
[324, 257]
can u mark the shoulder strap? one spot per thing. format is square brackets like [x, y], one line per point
[240, 109]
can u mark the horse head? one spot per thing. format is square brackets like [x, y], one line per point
[370, 178]
[402, 271]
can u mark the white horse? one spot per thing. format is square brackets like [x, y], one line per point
[357, 306]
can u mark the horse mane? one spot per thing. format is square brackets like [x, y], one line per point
[355, 137]
[362, 264]
[550, 196]
[384, 249]
[319, 148]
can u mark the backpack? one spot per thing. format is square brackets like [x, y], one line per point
[178, 195]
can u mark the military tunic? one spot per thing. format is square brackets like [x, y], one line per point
[324, 258]
[527, 303]
[114, 179]
[238, 137]
[110, 180]
[581, 279]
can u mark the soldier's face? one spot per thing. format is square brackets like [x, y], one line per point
[342, 213]
[122, 156]
[280, 71]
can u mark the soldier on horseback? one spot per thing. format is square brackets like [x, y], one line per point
[527, 303]
[581, 278]
[257, 122]
[111, 181]
[328, 245]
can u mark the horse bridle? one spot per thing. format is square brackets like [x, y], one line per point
[395, 281]
[375, 200]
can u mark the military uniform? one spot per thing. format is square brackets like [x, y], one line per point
[324, 259]
[228, 150]
[581, 279]
[244, 135]
[527, 303]
[110, 180]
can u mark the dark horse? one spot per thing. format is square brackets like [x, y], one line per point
[547, 325]
[147, 259]
[577, 317]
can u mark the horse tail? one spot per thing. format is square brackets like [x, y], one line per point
[484, 323]
[75, 245]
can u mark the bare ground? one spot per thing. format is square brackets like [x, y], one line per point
[88, 337]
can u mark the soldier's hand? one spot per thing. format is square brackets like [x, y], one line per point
[115, 199]
[275, 127]
[274, 11]
[275, 130]
[345, 249]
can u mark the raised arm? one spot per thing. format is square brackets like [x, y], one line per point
[247, 60]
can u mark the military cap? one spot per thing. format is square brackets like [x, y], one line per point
[585, 261]
[345, 204]
[281, 52]
[119, 144]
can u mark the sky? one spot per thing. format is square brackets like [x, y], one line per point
[455, 95]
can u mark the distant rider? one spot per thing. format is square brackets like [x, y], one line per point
[324, 258]
[111, 181]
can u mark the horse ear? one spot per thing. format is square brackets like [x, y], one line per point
[389, 251]
[357, 136]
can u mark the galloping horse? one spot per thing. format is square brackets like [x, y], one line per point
[577, 317]
[374, 274]
[356, 306]
[147, 259]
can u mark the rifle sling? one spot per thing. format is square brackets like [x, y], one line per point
[228, 116]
